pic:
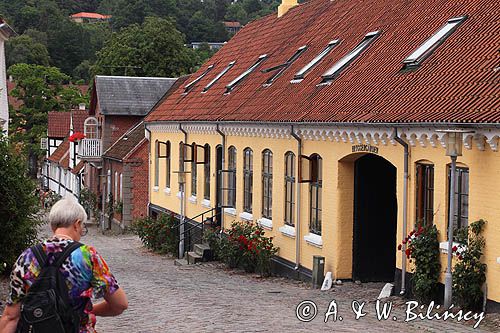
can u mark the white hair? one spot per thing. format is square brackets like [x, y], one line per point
[65, 213]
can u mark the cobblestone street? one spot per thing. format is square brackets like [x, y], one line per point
[209, 298]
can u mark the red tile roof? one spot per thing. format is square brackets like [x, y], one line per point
[456, 83]
[61, 154]
[96, 16]
[78, 167]
[59, 123]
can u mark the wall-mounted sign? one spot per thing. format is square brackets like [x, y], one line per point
[365, 148]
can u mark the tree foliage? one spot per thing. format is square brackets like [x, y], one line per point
[18, 225]
[154, 48]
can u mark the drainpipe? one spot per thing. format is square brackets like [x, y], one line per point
[221, 177]
[297, 224]
[183, 197]
[148, 136]
[405, 209]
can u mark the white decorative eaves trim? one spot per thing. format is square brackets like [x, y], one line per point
[200, 128]
[348, 134]
[257, 130]
[163, 128]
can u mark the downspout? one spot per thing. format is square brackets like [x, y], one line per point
[183, 197]
[405, 209]
[148, 136]
[297, 224]
[222, 178]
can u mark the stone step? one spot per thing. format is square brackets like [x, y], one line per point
[193, 258]
[203, 250]
[181, 262]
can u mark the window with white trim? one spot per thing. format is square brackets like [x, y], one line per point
[267, 184]
[424, 188]
[121, 187]
[340, 65]
[168, 165]
[315, 195]
[247, 179]
[191, 84]
[243, 75]
[206, 167]
[461, 215]
[290, 189]
[221, 74]
[231, 166]
[307, 68]
[157, 164]
[116, 188]
[194, 172]
[426, 49]
[283, 67]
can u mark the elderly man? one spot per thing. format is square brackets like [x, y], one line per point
[87, 274]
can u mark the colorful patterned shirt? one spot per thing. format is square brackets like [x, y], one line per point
[87, 275]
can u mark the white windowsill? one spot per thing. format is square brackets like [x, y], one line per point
[443, 247]
[193, 199]
[156, 188]
[265, 223]
[246, 216]
[167, 190]
[180, 194]
[314, 240]
[288, 231]
[230, 211]
[206, 203]
[498, 260]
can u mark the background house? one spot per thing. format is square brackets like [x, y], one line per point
[5, 33]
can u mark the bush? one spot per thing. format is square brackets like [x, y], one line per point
[423, 247]
[469, 273]
[160, 235]
[88, 200]
[18, 208]
[244, 245]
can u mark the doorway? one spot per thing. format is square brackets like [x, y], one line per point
[375, 219]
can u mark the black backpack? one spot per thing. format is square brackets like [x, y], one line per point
[46, 307]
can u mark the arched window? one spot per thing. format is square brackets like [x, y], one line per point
[231, 166]
[116, 188]
[167, 165]
[424, 193]
[182, 151]
[315, 194]
[194, 173]
[206, 167]
[157, 163]
[247, 179]
[461, 214]
[90, 128]
[267, 184]
[290, 188]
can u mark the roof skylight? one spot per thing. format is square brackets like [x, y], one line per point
[240, 78]
[307, 68]
[283, 67]
[340, 65]
[221, 74]
[190, 85]
[425, 50]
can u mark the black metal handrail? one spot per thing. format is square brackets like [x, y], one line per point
[190, 238]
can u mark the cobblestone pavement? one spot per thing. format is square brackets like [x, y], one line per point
[209, 298]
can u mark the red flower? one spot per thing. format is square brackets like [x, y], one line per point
[408, 252]
[460, 257]
[454, 248]
[399, 247]
[257, 232]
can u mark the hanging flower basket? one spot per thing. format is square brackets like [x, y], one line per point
[77, 136]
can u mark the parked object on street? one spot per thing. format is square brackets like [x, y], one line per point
[327, 282]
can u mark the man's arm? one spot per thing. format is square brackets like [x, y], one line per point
[113, 305]
[9, 319]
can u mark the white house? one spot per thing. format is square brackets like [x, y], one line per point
[5, 33]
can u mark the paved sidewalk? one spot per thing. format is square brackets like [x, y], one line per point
[209, 298]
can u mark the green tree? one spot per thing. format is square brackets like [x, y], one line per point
[18, 225]
[154, 48]
[23, 49]
[41, 90]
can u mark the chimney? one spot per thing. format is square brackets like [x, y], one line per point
[285, 6]
[81, 106]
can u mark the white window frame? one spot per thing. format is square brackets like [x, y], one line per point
[300, 75]
[221, 74]
[243, 75]
[191, 84]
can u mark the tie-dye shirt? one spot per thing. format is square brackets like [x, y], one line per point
[87, 276]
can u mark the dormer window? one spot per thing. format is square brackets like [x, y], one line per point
[307, 68]
[191, 84]
[340, 65]
[283, 67]
[426, 49]
[221, 74]
[240, 78]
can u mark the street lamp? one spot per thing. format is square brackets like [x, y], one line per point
[454, 141]
[182, 185]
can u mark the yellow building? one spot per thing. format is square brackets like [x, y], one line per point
[330, 123]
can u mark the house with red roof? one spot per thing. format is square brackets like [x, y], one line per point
[340, 127]
[5, 33]
[85, 17]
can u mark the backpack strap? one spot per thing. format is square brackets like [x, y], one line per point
[40, 255]
[65, 253]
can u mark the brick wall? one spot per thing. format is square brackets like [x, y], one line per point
[138, 166]
[115, 127]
